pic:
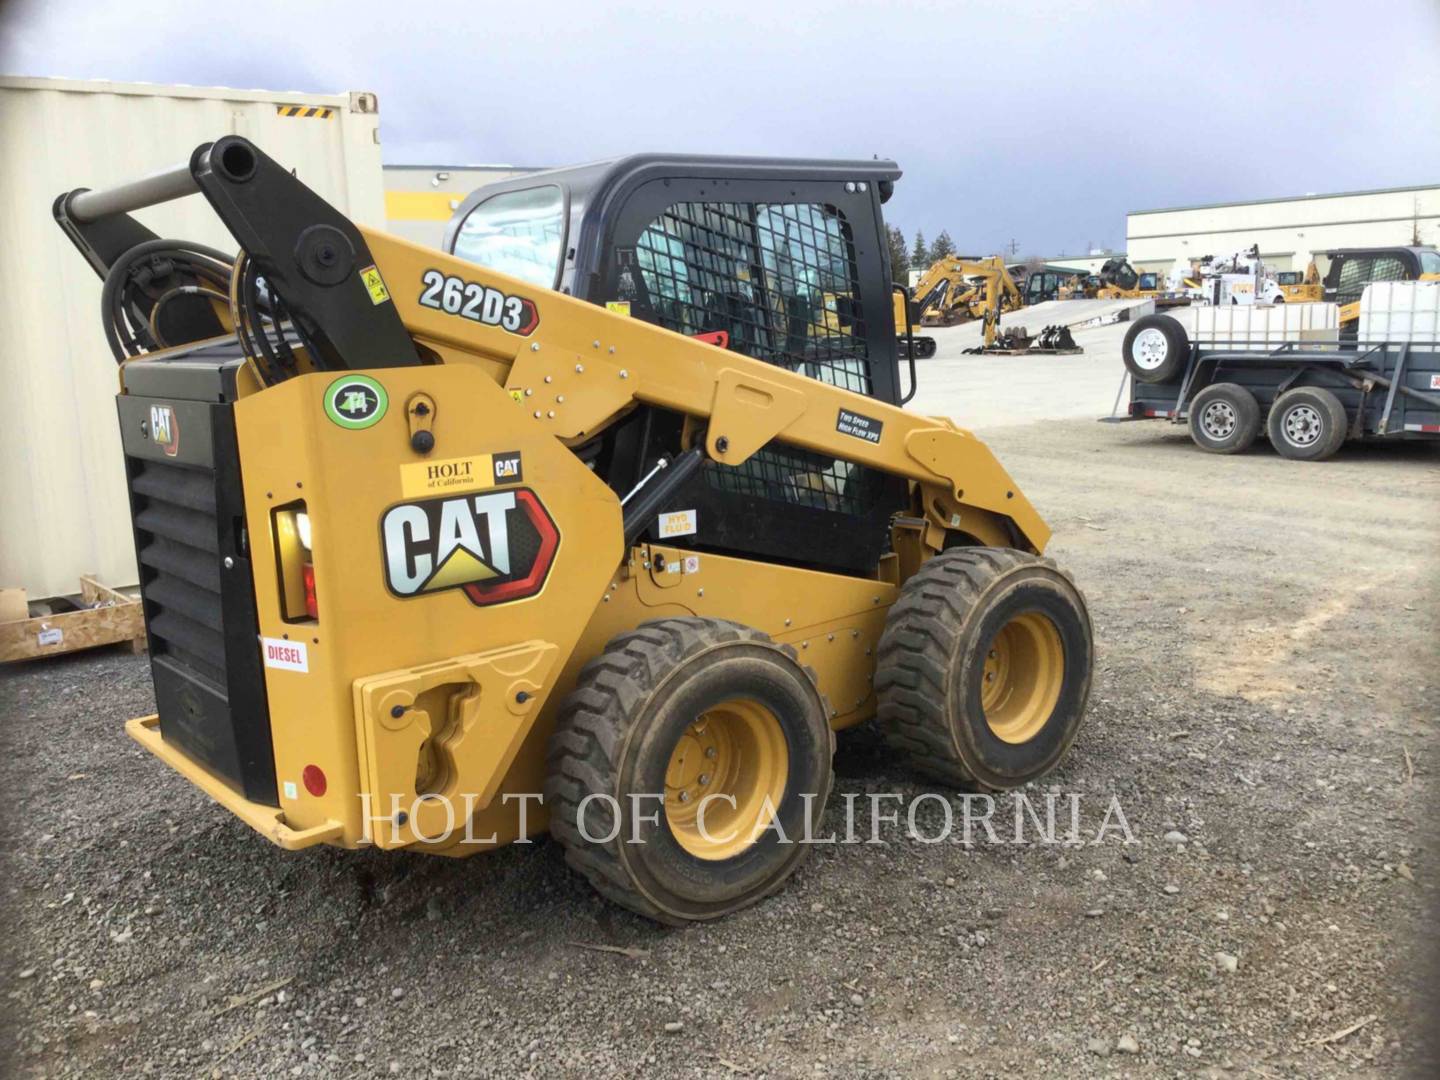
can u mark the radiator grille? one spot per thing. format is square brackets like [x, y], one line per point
[176, 536]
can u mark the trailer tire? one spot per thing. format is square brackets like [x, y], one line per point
[985, 628]
[1156, 349]
[1307, 423]
[1224, 418]
[690, 712]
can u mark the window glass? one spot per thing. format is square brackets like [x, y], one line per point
[1430, 262]
[519, 233]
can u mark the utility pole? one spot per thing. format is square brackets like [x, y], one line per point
[1013, 246]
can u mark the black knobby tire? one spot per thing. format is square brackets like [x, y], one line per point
[1307, 423]
[1224, 418]
[615, 737]
[1156, 349]
[939, 641]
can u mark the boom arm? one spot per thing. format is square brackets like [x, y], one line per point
[370, 300]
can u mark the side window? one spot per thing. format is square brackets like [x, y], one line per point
[519, 233]
[1430, 262]
[779, 278]
[1354, 276]
[1389, 268]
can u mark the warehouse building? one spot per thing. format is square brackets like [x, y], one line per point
[1288, 231]
[419, 199]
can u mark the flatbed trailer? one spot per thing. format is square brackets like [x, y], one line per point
[1309, 397]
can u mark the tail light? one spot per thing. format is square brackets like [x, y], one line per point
[295, 562]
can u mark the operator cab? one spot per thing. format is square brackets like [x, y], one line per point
[782, 260]
[787, 258]
[1351, 269]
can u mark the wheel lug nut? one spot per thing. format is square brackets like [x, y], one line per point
[704, 778]
[710, 751]
[684, 796]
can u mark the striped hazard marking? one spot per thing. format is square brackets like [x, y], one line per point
[317, 112]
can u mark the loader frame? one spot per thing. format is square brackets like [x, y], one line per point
[466, 370]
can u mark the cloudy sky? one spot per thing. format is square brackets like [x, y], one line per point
[1038, 123]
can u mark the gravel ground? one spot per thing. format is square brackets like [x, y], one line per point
[1266, 698]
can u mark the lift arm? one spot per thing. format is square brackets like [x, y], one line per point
[369, 300]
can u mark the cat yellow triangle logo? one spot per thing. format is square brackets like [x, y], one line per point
[461, 568]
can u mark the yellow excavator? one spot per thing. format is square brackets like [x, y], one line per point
[578, 526]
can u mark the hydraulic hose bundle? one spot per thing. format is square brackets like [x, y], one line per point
[150, 277]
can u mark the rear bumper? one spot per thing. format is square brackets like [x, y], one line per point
[268, 821]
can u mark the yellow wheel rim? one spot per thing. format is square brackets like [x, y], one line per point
[1024, 669]
[733, 762]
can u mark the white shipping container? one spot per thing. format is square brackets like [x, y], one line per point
[63, 506]
[1262, 326]
[1400, 311]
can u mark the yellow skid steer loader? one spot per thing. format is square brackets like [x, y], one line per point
[435, 556]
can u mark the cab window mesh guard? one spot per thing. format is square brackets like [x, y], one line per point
[781, 279]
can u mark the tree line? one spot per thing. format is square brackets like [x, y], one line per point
[917, 256]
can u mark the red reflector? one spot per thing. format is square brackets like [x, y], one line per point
[314, 780]
[312, 606]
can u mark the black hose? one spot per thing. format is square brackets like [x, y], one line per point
[190, 258]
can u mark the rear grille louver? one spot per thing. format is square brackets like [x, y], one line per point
[177, 543]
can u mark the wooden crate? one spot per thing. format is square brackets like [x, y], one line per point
[100, 616]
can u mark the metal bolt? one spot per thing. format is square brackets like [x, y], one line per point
[559, 399]
[534, 346]
[549, 378]
[787, 622]
[605, 598]
[989, 676]
[710, 751]
[992, 654]
[804, 645]
[854, 633]
[537, 414]
[722, 444]
[830, 637]
[700, 592]
[579, 369]
[229, 563]
[528, 391]
[551, 414]
[624, 374]
[612, 350]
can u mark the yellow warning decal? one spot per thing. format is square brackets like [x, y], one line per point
[618, 307]
[374, 285]
[313, 112]
[517, 395]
